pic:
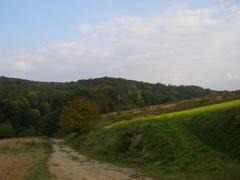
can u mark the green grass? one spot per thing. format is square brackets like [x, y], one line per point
[40, 171]
[191, 112]
[169, 107]
[221, 131]
[201, 143]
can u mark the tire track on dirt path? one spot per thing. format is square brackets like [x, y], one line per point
[67, 164]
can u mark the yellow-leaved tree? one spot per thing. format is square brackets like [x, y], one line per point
[78, 114]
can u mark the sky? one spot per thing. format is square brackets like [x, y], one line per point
[180, 42]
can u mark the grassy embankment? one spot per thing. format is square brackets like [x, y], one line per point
[200, 143]
[25, 158]
[169, 107]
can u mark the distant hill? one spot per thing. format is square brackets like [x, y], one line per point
[111, 94]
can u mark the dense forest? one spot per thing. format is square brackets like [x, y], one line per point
[30, 107]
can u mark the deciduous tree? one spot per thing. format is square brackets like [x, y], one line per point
[78, 114]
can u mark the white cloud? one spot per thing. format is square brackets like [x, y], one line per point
[230, 76]
[84, 28]
[178, 46]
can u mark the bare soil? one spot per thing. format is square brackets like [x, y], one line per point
[67, 164]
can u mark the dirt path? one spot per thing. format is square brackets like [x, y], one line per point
[67, 164]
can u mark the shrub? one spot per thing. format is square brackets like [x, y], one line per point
[29, 132]
[6, 130]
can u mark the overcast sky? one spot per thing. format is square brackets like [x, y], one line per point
[173, 42]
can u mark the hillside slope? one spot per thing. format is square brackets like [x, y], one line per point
[170, 107]
[111, 94]
[200, 143]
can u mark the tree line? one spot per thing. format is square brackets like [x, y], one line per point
[30, 107]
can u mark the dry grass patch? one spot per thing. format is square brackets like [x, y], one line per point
[18, 142]
[24, 158]
[15, 167]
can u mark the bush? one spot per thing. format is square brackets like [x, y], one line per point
[29, 132]
[6, 130]
[78, 115]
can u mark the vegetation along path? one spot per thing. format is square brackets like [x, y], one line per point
[66, 164]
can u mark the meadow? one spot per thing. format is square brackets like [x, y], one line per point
[199, 143]
[178, 114]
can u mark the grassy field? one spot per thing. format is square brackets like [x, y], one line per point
[200, 143]
[24, 158]
[169, 107]
[178, 114]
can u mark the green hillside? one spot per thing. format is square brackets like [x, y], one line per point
[199, 143]
[31, 107]
[170, 107]
[111, 94]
